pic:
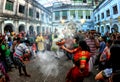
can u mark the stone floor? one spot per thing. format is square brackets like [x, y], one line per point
[46, 67]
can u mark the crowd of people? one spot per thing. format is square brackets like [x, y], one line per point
[86, 50]
[15, 49]
[102, 53]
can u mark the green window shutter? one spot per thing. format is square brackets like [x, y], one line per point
[74, 0]
[89, 1]
[80, 13]
[64, 14]
[31, 12]
[77, 1]
[87, 13]
[9, 5]
[57, 15]
[72, 13]
[80, 0]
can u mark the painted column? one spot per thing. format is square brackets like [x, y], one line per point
[60, 15]
[84, 14]
[76, 13]
[68, 14]
[1, 27]
[16, 24]
[27, 26]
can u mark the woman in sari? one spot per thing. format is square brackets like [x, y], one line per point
[81, 57]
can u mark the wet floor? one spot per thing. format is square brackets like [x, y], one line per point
[46, 67]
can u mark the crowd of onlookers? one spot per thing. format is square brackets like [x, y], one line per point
[16, 48]
[12, 48]
[104, 50]
[100, 51]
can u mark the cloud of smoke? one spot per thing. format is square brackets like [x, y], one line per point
[48, 63]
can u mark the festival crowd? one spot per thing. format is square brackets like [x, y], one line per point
[87, 50]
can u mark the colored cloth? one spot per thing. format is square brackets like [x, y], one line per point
[107, 72]
[82, 58]
[10, 43]
[3, 47]
[7, 53]
[102, 46]
[76, 74]
[2, 51]
[40, 43]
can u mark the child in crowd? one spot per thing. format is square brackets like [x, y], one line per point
[34, 49]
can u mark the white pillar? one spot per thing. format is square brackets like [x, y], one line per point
[76, 13]
[60, 15]
[68, 14]
[1, 27]
[16, 24]
[84, 14]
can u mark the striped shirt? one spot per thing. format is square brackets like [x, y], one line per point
[91, 43]
[21, 49]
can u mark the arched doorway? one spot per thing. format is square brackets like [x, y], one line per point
[8, 28]
[114, 28]
[108, 29]
[102, 29]
[31, 29]
[21, 28]
[98, 29]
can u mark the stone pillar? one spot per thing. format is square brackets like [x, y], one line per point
[76, 13]
[60, 15]
[68, 14]
[26, 26]
[84, 15]
[16, 26]
[1, 26]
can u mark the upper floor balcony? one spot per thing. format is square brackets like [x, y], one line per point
[69, 6]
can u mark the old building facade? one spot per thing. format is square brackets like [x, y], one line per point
[107, 16]
[24, 15]
[76, 15]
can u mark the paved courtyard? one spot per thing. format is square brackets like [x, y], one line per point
[46, 68]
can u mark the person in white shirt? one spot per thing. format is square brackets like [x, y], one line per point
[21, 51]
